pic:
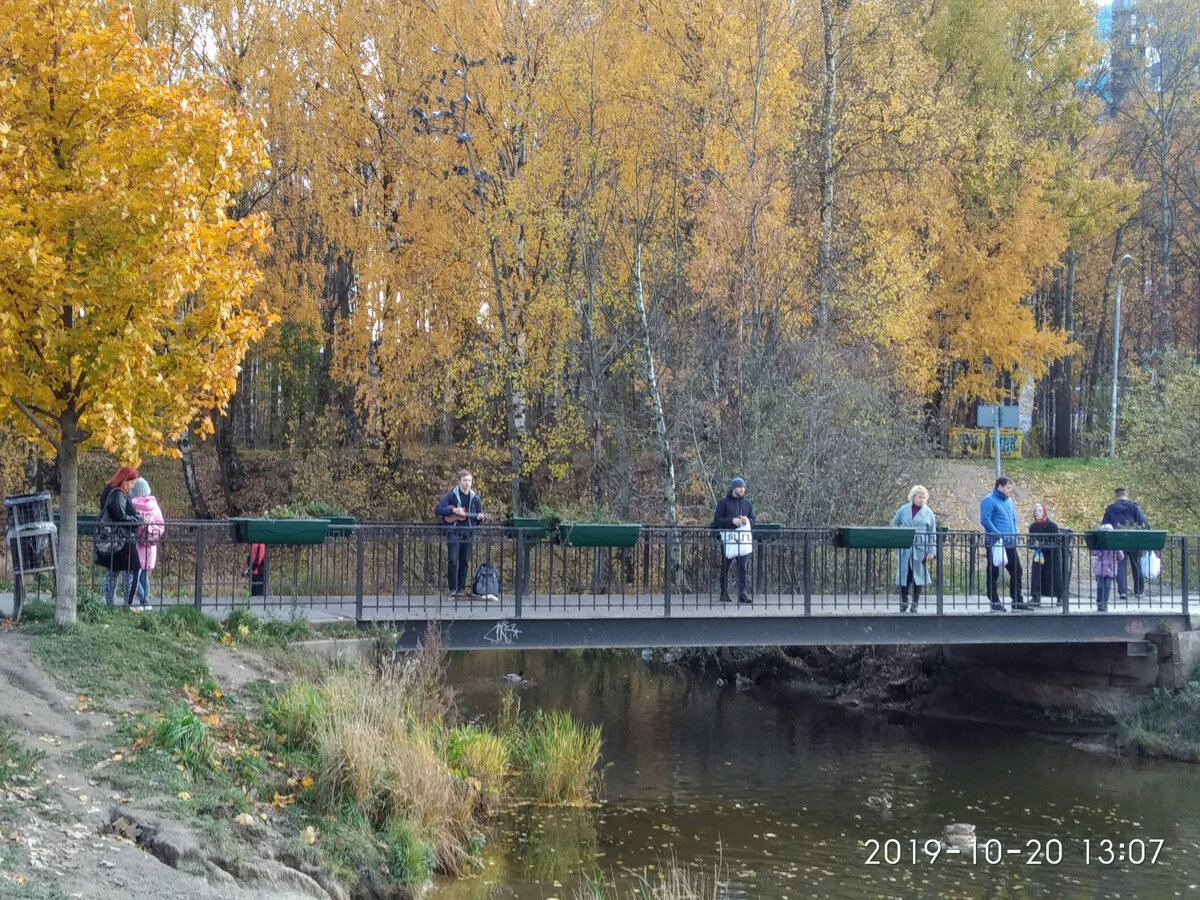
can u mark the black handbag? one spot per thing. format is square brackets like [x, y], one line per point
[110, 537]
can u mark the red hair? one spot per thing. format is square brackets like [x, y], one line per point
[124, 474]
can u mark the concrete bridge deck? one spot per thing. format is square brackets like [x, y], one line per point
[587, 621]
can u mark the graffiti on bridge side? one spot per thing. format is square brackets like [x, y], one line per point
[503, 632]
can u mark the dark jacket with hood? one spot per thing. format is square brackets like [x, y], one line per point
[470, 501]
[116, 503]
[730, 507]
[1124, 513]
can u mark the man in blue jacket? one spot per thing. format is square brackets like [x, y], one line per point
[999, 519]
[461, 509]
[1124, 513]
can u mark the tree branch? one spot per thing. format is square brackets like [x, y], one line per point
[37, 423]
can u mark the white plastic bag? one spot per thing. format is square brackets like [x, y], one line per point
[999, 557]
[739, 542]
[1151, 565]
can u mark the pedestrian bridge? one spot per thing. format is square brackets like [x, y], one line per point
[662, 590]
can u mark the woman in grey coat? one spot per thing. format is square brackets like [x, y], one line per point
[911, 568]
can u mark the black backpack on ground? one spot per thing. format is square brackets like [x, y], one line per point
[487, 582]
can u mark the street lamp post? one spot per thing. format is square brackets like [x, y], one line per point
[1112, 423]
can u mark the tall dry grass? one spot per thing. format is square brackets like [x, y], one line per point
[378, 748]
[384, 754]
[672, 880]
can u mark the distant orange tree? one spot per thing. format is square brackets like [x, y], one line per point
[125, 286]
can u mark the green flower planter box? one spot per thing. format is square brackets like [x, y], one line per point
[1125, 539]
[766, 531]
[85, 523]
[530, 527]
[341, 526]
[879, 537]
[582, 534]
[279, 531]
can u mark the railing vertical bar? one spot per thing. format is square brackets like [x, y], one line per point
[198, 596]
[667, 573]
[360, 545]
[1069, 549]
[1183, 575]
[522, 572]
[941, 584]
[807, 573]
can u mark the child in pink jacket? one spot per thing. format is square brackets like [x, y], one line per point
[148, 536]
[1105, 563]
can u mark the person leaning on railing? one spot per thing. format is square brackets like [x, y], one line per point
[116, 508]
[1124, 513]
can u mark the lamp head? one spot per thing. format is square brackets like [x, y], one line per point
[1125, 260]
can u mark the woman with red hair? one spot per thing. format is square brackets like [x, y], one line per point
[115, 507]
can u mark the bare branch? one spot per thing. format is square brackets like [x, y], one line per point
[37, 423]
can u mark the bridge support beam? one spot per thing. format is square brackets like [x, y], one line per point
[730, 631]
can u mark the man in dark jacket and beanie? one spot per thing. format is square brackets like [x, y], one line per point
[1124, 513]
[734, 512]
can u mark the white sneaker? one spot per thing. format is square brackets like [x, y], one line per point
[146, 607]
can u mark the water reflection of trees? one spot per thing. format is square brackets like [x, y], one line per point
[557, 843]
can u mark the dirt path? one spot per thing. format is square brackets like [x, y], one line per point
[57, 832]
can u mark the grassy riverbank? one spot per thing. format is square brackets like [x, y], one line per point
[363, 776]
[1168, 726]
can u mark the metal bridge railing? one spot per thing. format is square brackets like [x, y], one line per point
[397, 571]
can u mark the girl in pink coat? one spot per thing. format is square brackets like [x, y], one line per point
[1106, 564]
[148, 536]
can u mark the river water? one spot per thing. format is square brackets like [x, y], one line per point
[775, 795]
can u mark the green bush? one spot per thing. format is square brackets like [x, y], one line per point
[592, 513]
[181, 733]
[189, 620]
[179, 622]
[479, 754]
[249, 767]
[16, 760]
[306, 509]
[559, 757]
[299, 712]
[37, 611]
[287, 631]
[239, 617]
[410, 860]
[91, 609]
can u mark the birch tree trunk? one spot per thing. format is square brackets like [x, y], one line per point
[660, 419]
[199, 507]
[832, 33]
